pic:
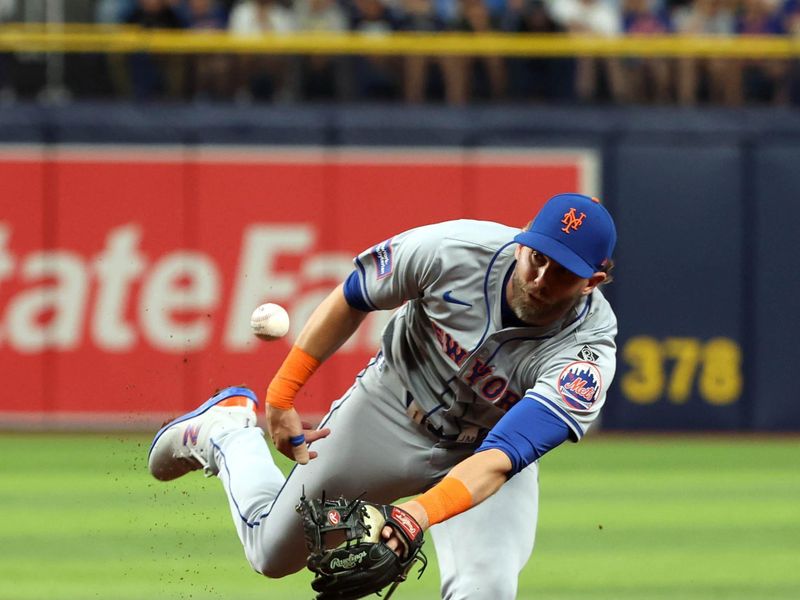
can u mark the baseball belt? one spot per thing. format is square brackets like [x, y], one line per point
[468, 434]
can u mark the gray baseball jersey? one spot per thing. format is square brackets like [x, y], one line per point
[447, 343]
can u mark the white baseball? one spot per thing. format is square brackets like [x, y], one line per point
[270, 321]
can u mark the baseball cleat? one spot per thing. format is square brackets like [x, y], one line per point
[185, 444]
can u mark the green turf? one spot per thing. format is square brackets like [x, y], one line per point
[639, 518]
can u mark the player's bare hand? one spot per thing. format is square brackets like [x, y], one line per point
[291, 436]
[392, 541]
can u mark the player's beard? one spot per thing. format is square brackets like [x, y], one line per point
[534, 311]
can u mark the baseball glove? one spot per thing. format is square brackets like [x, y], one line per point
[362, 564]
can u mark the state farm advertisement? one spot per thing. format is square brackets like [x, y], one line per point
[128, 275]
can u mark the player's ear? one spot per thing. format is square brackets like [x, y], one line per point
[593, 281]
[517, 251]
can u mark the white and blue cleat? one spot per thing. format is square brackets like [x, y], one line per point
[186, 444]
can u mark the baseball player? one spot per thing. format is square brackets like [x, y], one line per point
[501, 349]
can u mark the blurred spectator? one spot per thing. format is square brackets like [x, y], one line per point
[790, 12]
[373, 17]
[496, 8]
[323, 76]
[647, 79]
[540, 78]
[376, 77]
[424, 75]
[483, 76]
[210, 73]
[264, 77]
[253, 17]
[155, 14]
[764, 80]
[719, 77]
[154, 76]
[791, 24]
[593, 75]
[204, 15]
[227, 5]
[8, 10]
[447, 10]
[112, 11]
[320, 15]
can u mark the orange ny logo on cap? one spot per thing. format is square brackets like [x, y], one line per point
[572, 222]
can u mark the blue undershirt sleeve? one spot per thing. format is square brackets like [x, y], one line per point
[525, 433]
[353, 293]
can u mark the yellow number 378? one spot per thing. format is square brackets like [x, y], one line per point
[715, 365]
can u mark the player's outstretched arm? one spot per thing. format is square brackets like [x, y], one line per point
[330, 325]
[470, 482]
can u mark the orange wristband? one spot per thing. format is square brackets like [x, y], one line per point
[446, 499]
[296, 370]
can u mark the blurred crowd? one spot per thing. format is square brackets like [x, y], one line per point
[449, 79]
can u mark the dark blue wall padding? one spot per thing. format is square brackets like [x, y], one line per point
[773, 242]
[680, 222]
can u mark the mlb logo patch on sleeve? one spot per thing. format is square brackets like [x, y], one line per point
[580, 384]
[588, 354]
[382, 255]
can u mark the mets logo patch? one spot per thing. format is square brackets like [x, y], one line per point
[580, 384]
[382, 255]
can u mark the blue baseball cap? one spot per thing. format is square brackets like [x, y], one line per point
[574, 230]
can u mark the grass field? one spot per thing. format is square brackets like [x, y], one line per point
[642, 517]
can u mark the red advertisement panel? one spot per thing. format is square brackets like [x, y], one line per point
[26, 358]
[127, 276]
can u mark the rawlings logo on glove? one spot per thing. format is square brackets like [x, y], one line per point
[349, 562]
[406, 521]
[363, 564]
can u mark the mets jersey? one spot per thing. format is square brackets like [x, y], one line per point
[447, 343]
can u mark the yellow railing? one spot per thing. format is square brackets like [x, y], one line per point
[103, 39]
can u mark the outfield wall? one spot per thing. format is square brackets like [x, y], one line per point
[135, 241]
